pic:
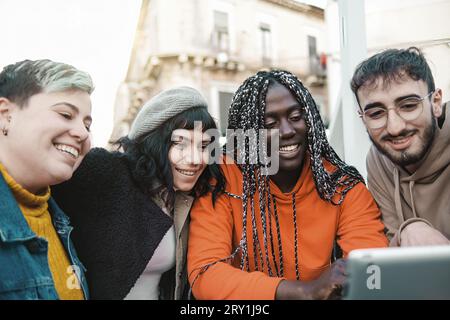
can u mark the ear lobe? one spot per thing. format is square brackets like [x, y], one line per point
[5, 109]
[436, 103]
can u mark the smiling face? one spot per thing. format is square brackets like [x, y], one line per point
[403, 142]
[47, 138]
[188, 156]
[283, 112]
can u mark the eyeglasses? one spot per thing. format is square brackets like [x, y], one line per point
[408, 109]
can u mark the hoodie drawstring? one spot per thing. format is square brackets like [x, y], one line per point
[411, 186]
[398, 203]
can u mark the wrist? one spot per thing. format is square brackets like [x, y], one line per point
[293, 289]
[407, 223]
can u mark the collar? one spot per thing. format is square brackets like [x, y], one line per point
[182, 207]
[13, 226]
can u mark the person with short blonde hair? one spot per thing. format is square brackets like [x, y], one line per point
[45, 116]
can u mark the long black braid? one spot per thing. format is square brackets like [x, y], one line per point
[247, 112]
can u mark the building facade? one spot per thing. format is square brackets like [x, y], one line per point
[214, 45]
[396, 24]
[381, 24]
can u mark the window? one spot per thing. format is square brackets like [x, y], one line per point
[220, 33]
[312, 54]
[224, 105]
[266, 44]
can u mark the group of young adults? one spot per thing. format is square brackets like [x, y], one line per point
[161, 218]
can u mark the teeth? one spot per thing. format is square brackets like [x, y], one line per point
[68, 149]
[399, 141]
[289, 148]
[186, 172]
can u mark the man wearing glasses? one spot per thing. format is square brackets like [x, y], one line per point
[409, 163]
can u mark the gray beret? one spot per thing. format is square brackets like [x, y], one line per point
[164, 106]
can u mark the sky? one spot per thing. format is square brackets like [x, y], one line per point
[93, 35]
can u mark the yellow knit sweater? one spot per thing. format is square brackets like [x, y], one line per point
[35, 210]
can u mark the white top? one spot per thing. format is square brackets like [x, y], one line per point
[163, 259]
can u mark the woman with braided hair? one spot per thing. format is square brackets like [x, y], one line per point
[272, 236]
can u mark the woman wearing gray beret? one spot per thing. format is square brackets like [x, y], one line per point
[130, 209]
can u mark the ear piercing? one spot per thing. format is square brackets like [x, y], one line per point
[4, 130]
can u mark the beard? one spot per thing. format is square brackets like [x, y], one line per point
[407, 158]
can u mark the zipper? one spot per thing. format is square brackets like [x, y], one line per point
[79, 266]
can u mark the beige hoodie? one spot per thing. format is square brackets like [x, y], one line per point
[425, 194]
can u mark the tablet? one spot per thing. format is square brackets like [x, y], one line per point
[398, 273]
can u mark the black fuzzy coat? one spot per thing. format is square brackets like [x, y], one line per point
[116, 227]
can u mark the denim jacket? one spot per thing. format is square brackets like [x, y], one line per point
[24, 269]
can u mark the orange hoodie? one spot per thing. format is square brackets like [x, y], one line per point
[216, 231]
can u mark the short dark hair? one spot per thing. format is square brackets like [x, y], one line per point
[391, 65]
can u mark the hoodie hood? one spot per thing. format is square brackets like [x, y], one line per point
[304, 186]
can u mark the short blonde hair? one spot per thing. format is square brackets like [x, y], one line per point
[20, 81]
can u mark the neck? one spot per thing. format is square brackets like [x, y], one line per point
[286, 180]
[410, 169]
[20, 176]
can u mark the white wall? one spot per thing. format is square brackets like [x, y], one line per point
[400, 23]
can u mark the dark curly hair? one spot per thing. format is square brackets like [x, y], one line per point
[148, 158]
[391, 65]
